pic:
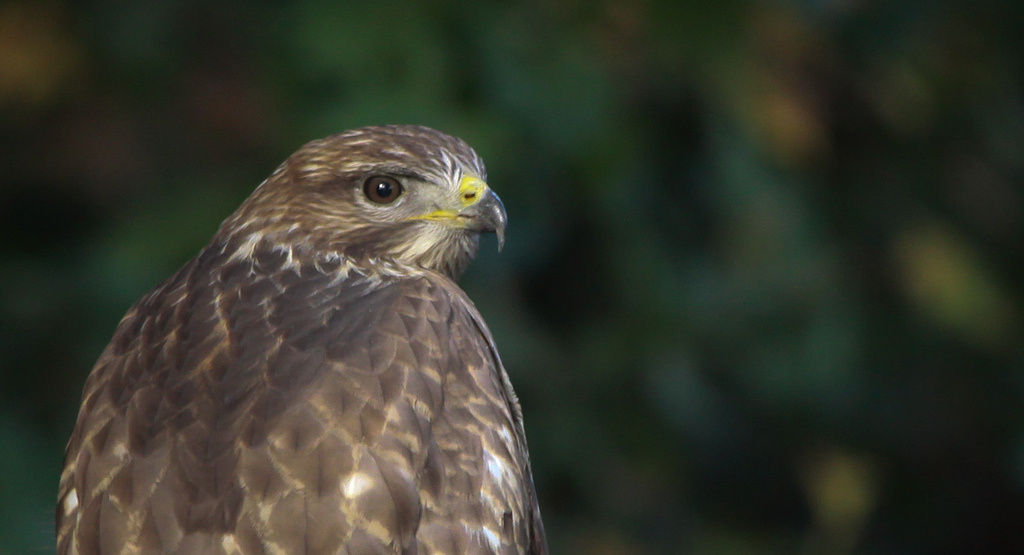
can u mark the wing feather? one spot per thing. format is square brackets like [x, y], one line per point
[255, 405]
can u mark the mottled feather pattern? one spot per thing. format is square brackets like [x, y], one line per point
[301, 400]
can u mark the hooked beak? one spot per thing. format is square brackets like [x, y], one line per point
[487, 215]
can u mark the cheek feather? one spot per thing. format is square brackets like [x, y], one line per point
[425, 241]
[435, 246]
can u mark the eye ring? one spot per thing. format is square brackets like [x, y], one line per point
[381, 189]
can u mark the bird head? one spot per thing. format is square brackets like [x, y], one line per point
[384, 196]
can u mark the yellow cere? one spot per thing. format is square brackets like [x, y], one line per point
[470, 189]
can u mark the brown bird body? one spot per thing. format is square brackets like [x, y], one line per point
[314, 381]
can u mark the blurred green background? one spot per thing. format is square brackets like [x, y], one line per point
[762, 286]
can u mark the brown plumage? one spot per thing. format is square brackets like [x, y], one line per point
[314, 381]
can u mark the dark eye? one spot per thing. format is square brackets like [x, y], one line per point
[382, 190]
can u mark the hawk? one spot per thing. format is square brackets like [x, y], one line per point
[314, 381]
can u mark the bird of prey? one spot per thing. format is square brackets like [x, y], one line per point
[314, 381]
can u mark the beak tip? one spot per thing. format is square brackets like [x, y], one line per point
[499, 220]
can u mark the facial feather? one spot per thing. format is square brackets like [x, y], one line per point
[315, 201]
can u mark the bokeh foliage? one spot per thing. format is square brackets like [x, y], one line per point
[761, 292]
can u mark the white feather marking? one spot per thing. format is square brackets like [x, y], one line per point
[229, 545]
[492, 539]
[120, 450]
[484, 534]
[289, 257]
[449, 165]
[264, 511]
[496, 467]
[507, 436]
[356, 485]
[71, 502]
[341, 272]
[247, 247]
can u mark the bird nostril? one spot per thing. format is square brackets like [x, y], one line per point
[469, 196]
